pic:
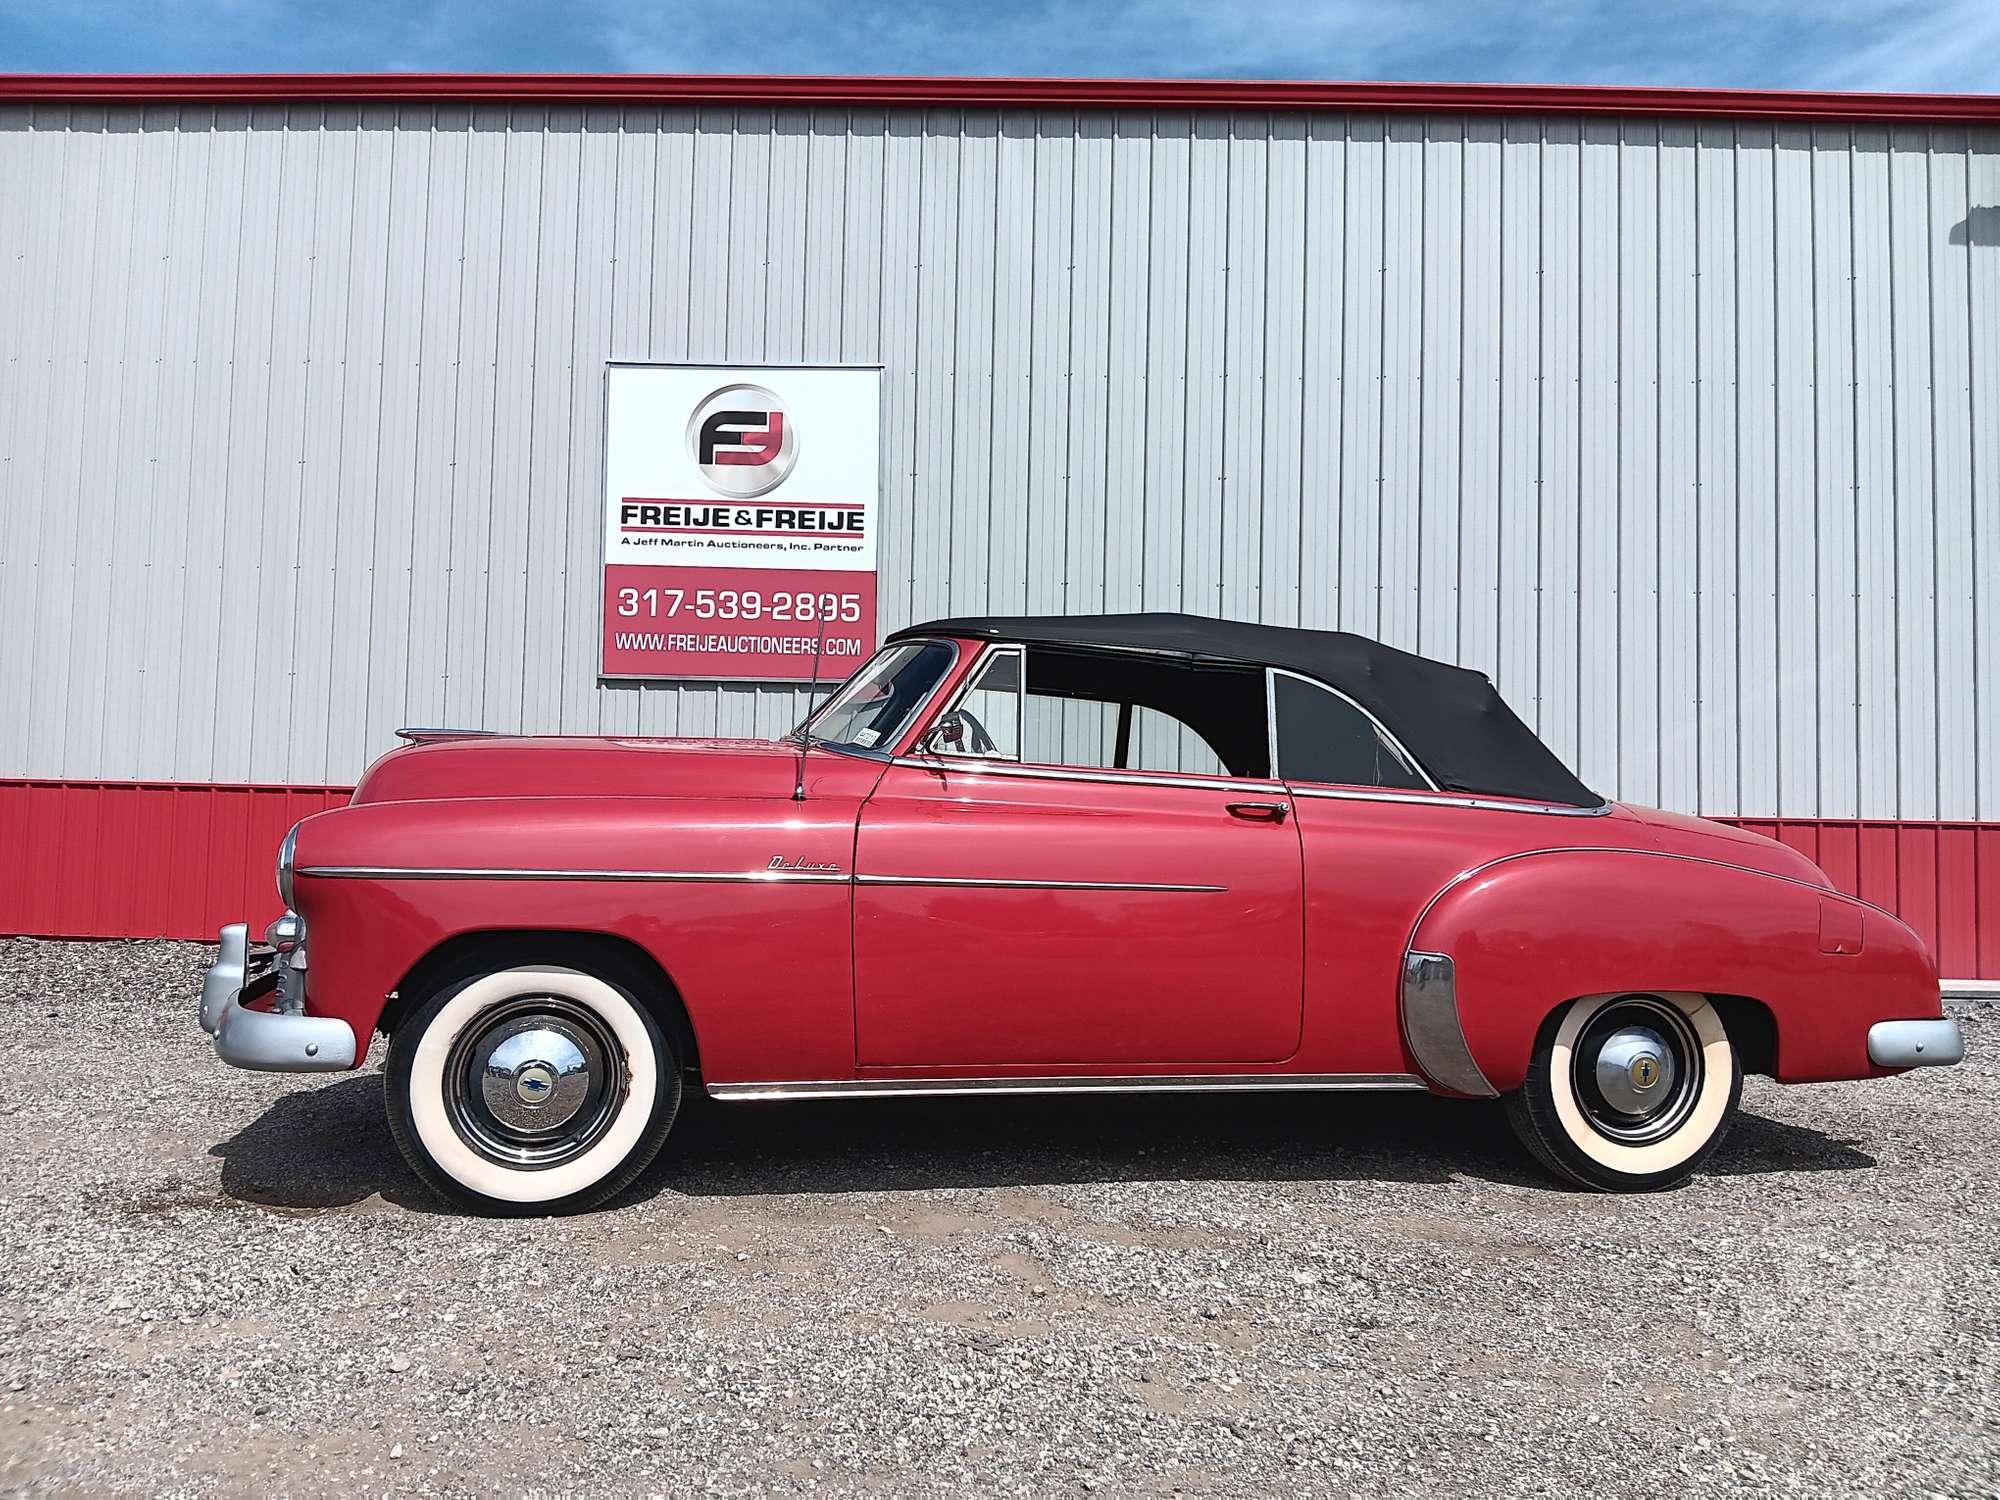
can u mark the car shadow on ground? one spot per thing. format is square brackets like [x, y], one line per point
[329, 1147]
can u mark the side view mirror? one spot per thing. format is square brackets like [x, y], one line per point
[947, 736]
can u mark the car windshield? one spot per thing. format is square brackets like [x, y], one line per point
[876, 704]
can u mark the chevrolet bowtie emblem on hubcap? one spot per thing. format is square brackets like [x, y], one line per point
[534, 1084]
[1645, 1071]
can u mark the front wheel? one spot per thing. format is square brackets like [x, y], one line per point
[1628, 1093]
[531, 1090]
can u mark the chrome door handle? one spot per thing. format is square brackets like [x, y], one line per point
[1259, 812]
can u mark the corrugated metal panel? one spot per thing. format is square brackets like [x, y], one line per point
[1600, 403]
[190, 858]
[1978, 233]
[1953, 499]
[1679, 689]
[1687, 432]
[1397, 494]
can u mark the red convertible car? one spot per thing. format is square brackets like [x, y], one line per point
[1101, 854]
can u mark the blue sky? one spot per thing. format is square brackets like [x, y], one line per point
[1860, 44]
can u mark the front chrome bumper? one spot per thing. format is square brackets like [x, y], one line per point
[266, 1041]
[1916, 1044]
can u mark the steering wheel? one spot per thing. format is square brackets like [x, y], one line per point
[977, 740]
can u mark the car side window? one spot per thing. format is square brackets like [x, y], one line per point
[1109, 711]
[1128, 711]
[1323, 737]
[1101, 736]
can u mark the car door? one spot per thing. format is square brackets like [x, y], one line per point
[1379, 841]
[1075, 907]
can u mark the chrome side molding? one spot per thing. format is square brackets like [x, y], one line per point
[1196, 1083]
[738, 877]
[1432, 1029]
[1451, 799]
[470, 872]
[970, 765]
[977, 882]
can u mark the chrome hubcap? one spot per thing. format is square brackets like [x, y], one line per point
[535, 1082]
[1637, 1070]
[536, 1078]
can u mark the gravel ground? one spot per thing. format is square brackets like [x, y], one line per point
[217, 1283]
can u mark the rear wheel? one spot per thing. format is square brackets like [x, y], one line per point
[1630, 1092]
[531, 1090]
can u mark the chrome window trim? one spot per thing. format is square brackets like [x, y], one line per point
[1108, 775]
[1099, 778]
[1107, 648]
[1380, 728]
[470, 872]
[917, 714]
[1246, 1083]
[987, 653]
[854, 750]
[980, 882]
[1021, 709]
[1271, 720]
[977, 766]
[1446, 799]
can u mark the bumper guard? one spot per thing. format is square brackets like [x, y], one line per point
[1916, 1044]
[265, 1041]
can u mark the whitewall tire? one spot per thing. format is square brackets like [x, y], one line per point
[1629, 1092]
[537, 1089]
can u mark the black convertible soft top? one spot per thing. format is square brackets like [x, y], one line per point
[1450, 718]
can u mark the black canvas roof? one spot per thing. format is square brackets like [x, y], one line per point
[1450, 718]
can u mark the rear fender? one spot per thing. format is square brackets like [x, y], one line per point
[1528, 932]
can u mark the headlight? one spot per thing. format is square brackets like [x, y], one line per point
[285, 852]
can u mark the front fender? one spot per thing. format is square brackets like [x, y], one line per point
[1530, 931]
[759, 956]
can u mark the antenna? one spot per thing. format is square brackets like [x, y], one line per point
[805, 733]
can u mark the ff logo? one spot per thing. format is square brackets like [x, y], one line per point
[741, 441]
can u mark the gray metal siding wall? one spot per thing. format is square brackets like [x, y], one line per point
[1688, 434]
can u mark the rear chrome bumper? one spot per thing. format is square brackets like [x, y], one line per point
[265, 1041]
[1916, 1044]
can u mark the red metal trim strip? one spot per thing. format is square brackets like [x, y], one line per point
[1071, 93]
[83, 782]
[143, 859]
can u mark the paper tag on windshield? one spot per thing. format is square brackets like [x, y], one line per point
[866, 738]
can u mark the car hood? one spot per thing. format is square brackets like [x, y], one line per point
[578, 766]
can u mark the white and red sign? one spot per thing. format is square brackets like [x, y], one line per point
[739, 525]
